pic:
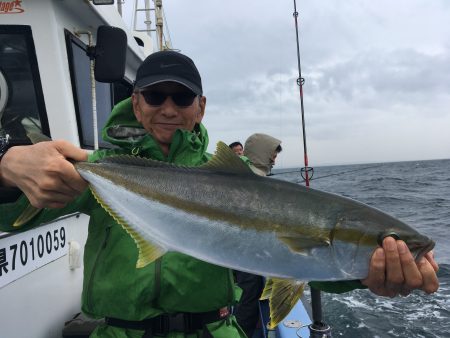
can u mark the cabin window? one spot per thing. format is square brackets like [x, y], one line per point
[107, 94]
[81, 83]
[22, 107]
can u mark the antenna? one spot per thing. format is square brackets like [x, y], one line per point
[153, 10]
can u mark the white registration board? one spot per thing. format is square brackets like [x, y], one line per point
[25, 252]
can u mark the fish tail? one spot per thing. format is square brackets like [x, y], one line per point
[26, 216]
[30, 211]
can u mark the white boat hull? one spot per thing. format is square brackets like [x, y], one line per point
[38, 303]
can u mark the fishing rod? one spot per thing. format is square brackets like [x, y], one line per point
[318, 329]
[300, 83]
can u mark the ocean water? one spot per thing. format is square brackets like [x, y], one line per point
[418, 193]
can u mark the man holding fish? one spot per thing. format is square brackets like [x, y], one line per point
[172, 294]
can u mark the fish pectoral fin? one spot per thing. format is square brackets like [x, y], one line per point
[26, 216]
[226, 160]
[283, 295]
[301, 244]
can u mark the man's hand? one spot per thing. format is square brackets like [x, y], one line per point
[394, 271]
[44, 173]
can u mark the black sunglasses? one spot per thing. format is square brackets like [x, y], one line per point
[181, 99]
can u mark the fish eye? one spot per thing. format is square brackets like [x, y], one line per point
[385, 234]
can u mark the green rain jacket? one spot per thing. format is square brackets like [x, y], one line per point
[112, 285]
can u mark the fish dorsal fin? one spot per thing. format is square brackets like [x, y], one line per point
[223, 160]
[148, 252]
[283, 294]
[226, 160]
[135, 161]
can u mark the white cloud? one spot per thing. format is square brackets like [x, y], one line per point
[377, 85]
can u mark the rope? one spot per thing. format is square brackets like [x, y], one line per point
[324, 176]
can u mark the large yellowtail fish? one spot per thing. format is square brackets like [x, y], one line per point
[223, 213]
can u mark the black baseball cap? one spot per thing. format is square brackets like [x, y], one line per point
[169, 66]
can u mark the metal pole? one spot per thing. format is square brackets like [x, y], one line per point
[317, 329]
[159, 23]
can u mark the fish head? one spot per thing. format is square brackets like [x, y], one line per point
[364, 228]
[378, 225]
[417, 243]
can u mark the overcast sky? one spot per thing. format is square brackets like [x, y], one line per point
[377, 75]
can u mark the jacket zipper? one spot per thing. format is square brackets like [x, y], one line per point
[157, 288]
[94, 268]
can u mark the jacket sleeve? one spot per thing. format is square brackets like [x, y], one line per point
[9, 212]
[338, 287]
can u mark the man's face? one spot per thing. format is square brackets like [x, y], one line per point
[273, 158]
[238, 150]
[161, 120]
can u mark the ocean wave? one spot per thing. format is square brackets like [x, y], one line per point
[417, 193]
[362, 314]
